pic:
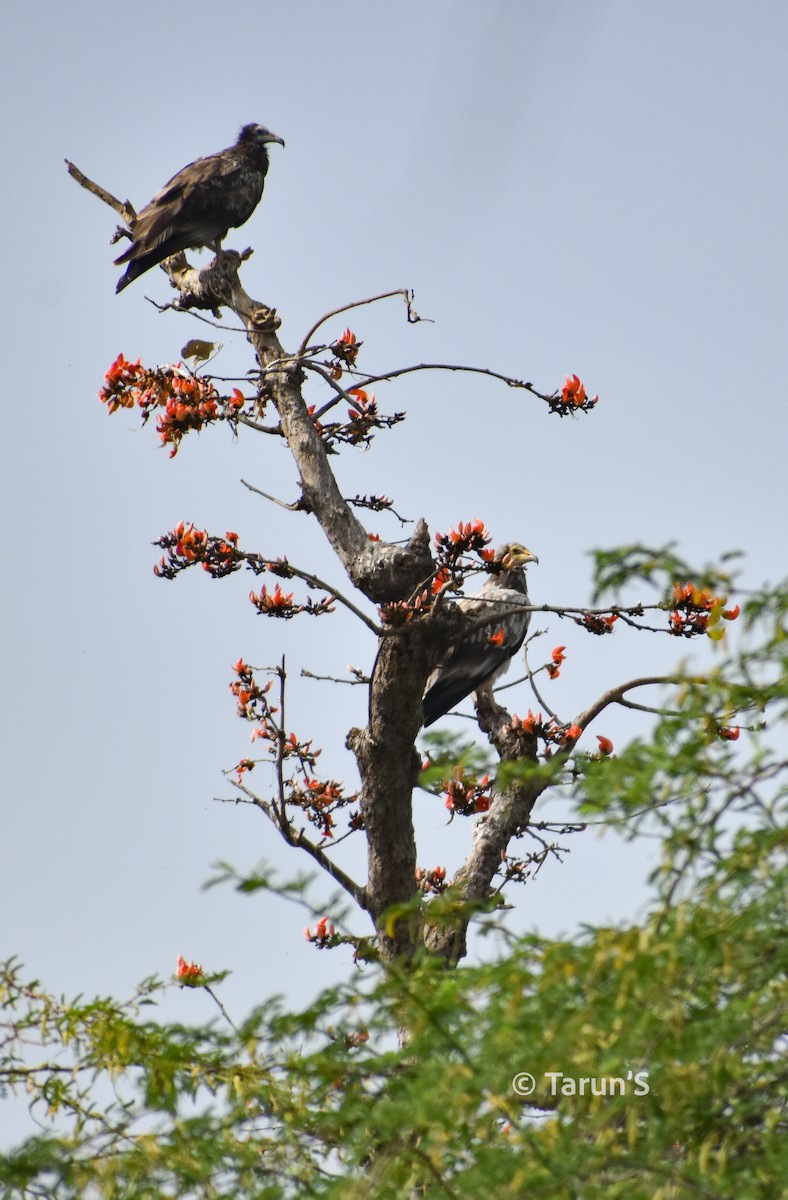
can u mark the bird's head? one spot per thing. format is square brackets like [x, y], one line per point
[258, 135]
[514, 555]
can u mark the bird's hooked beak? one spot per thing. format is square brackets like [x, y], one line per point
[272, 137]
[518, 556]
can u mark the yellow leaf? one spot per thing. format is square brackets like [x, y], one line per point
[198, 349]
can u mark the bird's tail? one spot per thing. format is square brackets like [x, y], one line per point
[136, 267]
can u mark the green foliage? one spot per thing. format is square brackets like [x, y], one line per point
[404, 1082]
[689, 1006]
[658, 567]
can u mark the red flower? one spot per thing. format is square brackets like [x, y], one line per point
[573, 391]
[189, 972]
[558, 657]
[605, 745]
[496, 639]
[573, 732]
[322, 933]
[441, 578]
[729, 733]
[346, 349]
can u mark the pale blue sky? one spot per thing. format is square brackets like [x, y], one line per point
[589, 187]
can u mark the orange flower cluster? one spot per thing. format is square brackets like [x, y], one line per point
[320, 800]
[189, 972]
[402, 612]
[189, 401]
[573, 398]
[219, 556]
[186, 545]
[345, 350]
[696, 611]
[355, 1038]
[246, 764]
[120, 383]
[558, 656]
[431, 881]
[323, 935]
[363, 419]
[467, 537]
[598, 625]
[290, 746]
[468, 796]
[550, 731]
[277, 604]
[442, 577]
[251, 698]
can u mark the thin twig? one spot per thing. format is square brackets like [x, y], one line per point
[346, 308]
[515, 608]
[280, 752]
[536, 692]
[221, 1007]
[364, 680]
[509, 380]
[647, 708]
[315, 581]
[298, 506]
[341, 393]
[170, 307]
[300, 841]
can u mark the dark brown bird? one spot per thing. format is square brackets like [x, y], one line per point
[474, 662]
[199, 204]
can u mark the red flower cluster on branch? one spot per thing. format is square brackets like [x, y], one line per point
[572, 398]
[696, 611]
[431, 881]
[467, 538]
[402, 612]
[596, 624]
[252, 702]
[189, 972]
[558, 656]
[345, 351]
[275, 604]
[318, 799]
[323, 935]
[551, 732]
[186, 545]
[188, 401]
[452, 549]
[363, 419]
[466, 796]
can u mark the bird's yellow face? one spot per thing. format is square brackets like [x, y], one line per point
[515, 555]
